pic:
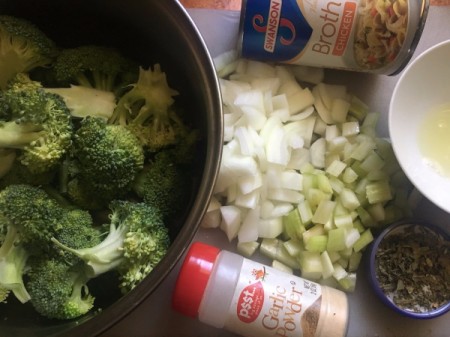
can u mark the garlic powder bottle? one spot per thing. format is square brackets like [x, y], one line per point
[226, 290]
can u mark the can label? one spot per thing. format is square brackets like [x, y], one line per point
[266, 302]
[366, 35]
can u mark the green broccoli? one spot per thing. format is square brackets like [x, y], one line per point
[85, 195]
[147, 109]
[29, 219]
[23, 47]
[38, 124]
[164, 184]
[93, 66]
[33, 215]
[59, 290]
[77, 230]
[90, 77]
[21, 174]
[137, 240]
[109, 156]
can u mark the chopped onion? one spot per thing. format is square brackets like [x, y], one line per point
[304, 178]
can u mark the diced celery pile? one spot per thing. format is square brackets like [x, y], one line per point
[304, 177]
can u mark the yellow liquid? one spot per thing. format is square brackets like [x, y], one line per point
[434, 139]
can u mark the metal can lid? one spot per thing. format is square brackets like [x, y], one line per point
[193, 278]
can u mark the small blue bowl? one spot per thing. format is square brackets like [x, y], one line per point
[395, 229]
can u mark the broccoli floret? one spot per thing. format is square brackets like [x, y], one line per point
[39, 124]
[147, 110]
[77, 231]
[109, 156]
[23, 47]
[137, 240]
[21, 174]
[32, 213]
[94, 66]
[29, 219]
[166, 180]
[59, 290]
[163, 185]
[86, 196]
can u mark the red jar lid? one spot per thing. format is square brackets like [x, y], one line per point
[193, 278]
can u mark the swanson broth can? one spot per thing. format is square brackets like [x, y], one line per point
[377, 36]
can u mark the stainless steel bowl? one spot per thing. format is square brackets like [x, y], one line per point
[151, 31]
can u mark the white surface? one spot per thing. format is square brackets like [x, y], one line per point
[368, 316]
[427, 80]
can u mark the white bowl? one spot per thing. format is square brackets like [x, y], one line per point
[423, 86]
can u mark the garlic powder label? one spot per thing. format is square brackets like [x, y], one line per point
[270, 302]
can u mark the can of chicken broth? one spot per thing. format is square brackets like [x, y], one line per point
[377, 36]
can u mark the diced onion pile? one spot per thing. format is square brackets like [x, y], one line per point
[304, 177]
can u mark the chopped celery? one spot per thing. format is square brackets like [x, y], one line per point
[274, 249]
[377, 212]
[315, 196]
[323, 183]
[363, 149]
[281, 266]
[313, 231]
[339, 271]
[270, 228]
[336, 168]
[358, 108]
[349, 175]
[379, 191]
[349, 199]
[247, 249]
[336, 240]
[348, 283]
[305, 212]
[365, 238]
[366, 219]
[327, 265]
[351, 236]
[324, 211]
[317, 243]
[343, 220]
[293, 226]
[311, 265]
[350, 129]
[372, 162]
[354, 261]
[294, 247]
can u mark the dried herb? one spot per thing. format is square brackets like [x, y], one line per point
[413, 268]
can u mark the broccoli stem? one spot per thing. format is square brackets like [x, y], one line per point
[80, 299]
[104, 257]
[7, 158]
[8, 242]
[83, 80]
[13, 259]
[14, 135]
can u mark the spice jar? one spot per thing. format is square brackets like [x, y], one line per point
[226, 290]
[409, 269]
